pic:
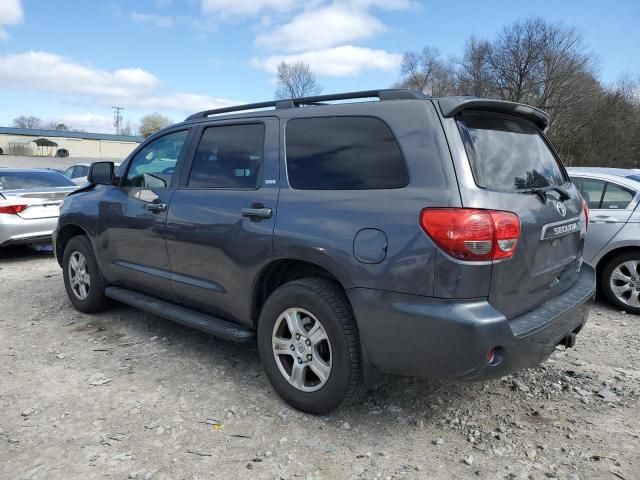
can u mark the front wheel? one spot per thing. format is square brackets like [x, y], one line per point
[82, 277]
[309, 345]
[620, 281]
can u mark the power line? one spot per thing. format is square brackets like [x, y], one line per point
[117, 118]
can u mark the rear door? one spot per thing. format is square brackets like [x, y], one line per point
[506, 163]
[221, 218]
[610, 207]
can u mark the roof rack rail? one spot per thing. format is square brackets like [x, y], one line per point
[388, 94]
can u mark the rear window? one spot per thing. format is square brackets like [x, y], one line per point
[343, 153]
[509, 155]
[33, 179]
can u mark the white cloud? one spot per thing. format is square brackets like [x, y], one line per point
[90, 122]
[383, 4]
[10, 14]
[160, 21]
[322, 28]
[247, 8]
[345, 60]
[128, 87]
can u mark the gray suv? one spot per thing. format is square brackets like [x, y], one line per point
[351, 235]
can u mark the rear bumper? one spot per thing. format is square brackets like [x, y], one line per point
[15, 230]
[423, 336]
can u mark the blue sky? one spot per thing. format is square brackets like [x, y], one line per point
[71, 61]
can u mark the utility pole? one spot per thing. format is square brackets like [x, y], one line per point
[117, 118]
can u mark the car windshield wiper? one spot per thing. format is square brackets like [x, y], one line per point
[540, 192]
[564, 195]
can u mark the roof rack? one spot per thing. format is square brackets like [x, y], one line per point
[389, 94]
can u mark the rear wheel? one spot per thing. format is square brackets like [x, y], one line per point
[620, 281]
[82, 278]
[309, 345]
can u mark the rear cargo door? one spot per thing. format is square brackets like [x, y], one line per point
[514, 168]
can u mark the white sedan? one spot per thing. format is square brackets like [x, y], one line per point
[30, 204]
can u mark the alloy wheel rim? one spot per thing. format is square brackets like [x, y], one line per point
[625, 283]
[302, 349]
[79, 275]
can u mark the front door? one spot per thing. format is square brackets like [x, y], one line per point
[132, 218]
[221, 218]
[608, 212]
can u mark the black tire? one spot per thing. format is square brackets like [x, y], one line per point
[95, 300]
[327, 302]
[605, 280]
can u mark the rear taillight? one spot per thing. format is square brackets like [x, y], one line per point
[472, 234]
[585, 210]
[12, 209]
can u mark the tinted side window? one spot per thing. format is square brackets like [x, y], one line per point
[228, 156]
[343, 153]
[153, 166]
[616, 197]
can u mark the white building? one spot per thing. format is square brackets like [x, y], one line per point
[18, 141]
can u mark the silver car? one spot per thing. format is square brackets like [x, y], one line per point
[613, 238]
[77, 173]
[30, 204]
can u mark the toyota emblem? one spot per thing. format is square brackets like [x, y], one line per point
[562, 210]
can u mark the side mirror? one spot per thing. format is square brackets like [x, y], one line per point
[101, 173]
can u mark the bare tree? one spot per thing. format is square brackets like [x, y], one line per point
[126, 130]
[24, 121]
[474, 77]
[296, 80]
[150, 124]
[54, 125]
[418, 69]
[426, 72]
[548, 66]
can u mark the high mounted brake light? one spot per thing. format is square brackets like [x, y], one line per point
[12, 209]
[472, 234]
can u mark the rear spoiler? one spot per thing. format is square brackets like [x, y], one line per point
[451, 106]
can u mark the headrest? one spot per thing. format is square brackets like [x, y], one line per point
[234, 156]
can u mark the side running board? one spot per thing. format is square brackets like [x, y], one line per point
[212, 325]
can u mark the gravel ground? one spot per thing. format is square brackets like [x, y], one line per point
[125, 394]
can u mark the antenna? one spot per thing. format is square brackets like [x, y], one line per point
[117, 118]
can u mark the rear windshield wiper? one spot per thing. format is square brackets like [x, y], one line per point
[542, 192]
[564, 195]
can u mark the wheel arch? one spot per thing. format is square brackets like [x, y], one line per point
[66, 233]
[604, 259]
[281, 271]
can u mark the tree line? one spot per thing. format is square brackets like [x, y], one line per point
[149, 124]
[535, 62]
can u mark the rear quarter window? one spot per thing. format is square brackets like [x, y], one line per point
[343, 153]
[509, 155]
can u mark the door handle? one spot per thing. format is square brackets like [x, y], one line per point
[156, 207]
[603, 219]
[257, 212]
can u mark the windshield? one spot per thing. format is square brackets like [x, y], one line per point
[32, 179]
[509, 155]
